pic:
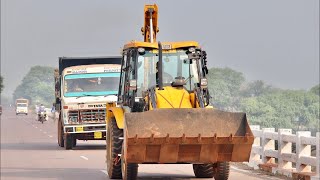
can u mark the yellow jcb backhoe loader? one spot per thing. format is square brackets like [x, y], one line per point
[163, 113]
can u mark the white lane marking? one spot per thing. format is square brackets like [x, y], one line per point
[26, 121]
[104, 171]
[45, 132]
[83, 157]
[40, 129]
[36, 127]
[50, 136]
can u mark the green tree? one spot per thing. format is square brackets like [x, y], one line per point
[256, 88]
[37, 86]
[284, 109]
[1, 84]
[224, 87]
[315, 90]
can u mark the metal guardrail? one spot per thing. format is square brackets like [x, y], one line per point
[280, 159]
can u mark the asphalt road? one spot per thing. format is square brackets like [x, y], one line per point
[29, 150]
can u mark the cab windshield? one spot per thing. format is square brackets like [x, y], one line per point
[21, 105]
[94, 84]
[174, 64]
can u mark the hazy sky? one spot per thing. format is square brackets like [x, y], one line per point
[273, 40]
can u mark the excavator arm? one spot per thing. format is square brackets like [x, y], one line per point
[150, 28]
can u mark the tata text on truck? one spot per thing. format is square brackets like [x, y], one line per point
[22, 106]
[82, 88]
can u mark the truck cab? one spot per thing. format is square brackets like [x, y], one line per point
[81, 94]
[22, 106]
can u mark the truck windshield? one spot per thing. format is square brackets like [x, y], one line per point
[94, 84]
[21, 105]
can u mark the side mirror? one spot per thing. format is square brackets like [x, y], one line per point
[133, 84]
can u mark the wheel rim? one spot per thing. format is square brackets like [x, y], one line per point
[123, 166]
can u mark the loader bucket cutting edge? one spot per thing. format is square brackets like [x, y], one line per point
[186, 136]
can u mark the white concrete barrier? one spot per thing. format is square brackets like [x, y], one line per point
[264, 151]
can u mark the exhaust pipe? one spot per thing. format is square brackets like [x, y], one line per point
[160, 67]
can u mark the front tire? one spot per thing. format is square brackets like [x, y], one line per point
[203, 170]
[222, 170]
[74, 142]
[60, 134]
[68, 141]
[114, 147]
[129, 170]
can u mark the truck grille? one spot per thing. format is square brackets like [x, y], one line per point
[87, 116]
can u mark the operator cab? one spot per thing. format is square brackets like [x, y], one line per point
[183, 66]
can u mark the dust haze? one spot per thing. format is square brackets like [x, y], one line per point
[271, 40]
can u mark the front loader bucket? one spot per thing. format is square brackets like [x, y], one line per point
[186, 136]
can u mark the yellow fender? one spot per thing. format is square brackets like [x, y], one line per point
[117, 113]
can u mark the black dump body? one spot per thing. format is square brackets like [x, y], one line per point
[65, 62]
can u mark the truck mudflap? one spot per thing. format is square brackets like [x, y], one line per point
[186, 136]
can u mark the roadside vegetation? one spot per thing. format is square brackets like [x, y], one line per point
[264, 104]
[37, 86]
[1, 84]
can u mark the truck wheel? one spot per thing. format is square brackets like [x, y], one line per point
[114, 146]
[203, 170]
[129, 170]
[221, 170]
[60, 135]
[74, 142]
[68, 141]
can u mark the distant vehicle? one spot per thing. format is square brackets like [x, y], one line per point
[83, 86]
[42, 115]
[22, 106]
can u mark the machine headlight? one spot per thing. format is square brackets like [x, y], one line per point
[204, 82]
[141, 50]
[192, 49]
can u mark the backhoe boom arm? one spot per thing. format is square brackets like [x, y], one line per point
[150, 28]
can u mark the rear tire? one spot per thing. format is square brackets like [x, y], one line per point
[203, 170]
[114, 147]
[221, 170]
[68, 141]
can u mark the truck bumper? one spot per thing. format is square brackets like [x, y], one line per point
[84, 128]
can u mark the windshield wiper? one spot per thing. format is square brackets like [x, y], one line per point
[84, 95]
[110, 95]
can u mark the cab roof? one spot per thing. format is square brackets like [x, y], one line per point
[165, 45]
